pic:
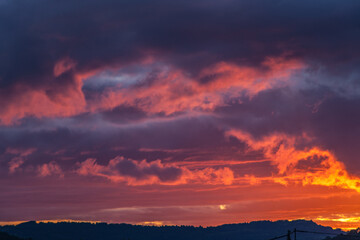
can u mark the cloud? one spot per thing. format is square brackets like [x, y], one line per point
[309, 166]
[16, 162]
[41, 103]
[63, 66]
[86, 80]
[246, 46]
[120, 169]
[20, 152]
[173, 91]
[49, 169]
[132, 172]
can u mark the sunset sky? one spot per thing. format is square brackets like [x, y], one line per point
[193, 112]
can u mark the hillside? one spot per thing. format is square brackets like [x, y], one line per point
[260, 230]
[6, 236]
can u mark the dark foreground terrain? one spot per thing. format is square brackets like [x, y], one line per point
[6, 236]
[260, 230]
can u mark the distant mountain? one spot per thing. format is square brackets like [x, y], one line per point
[6, 236]
[351, 235]
[260, 230]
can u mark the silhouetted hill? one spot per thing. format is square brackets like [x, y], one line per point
[260, 230]
[6, 236]
[351, 235]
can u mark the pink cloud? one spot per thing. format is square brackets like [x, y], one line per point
[173, 90]
[63, 66]
[16, 162]
[133, 172]
[49, 169]
[20, 152]
[41, 103]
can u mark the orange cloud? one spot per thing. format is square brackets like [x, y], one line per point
[343, 221]
[310, 166]
[234, 78]
[133, 172]
[174, 91]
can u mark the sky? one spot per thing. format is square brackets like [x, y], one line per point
[199, 112]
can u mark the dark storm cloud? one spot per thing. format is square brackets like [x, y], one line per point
[190, 35]
[123, 114]
[130, 168]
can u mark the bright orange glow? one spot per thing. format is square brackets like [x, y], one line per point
[311, 166]
[345, 222]
[152, 223]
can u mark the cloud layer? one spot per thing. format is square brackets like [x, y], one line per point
[120, 169]
[182, 107]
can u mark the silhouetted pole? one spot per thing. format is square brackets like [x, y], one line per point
[288, 235]
[294, 233]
